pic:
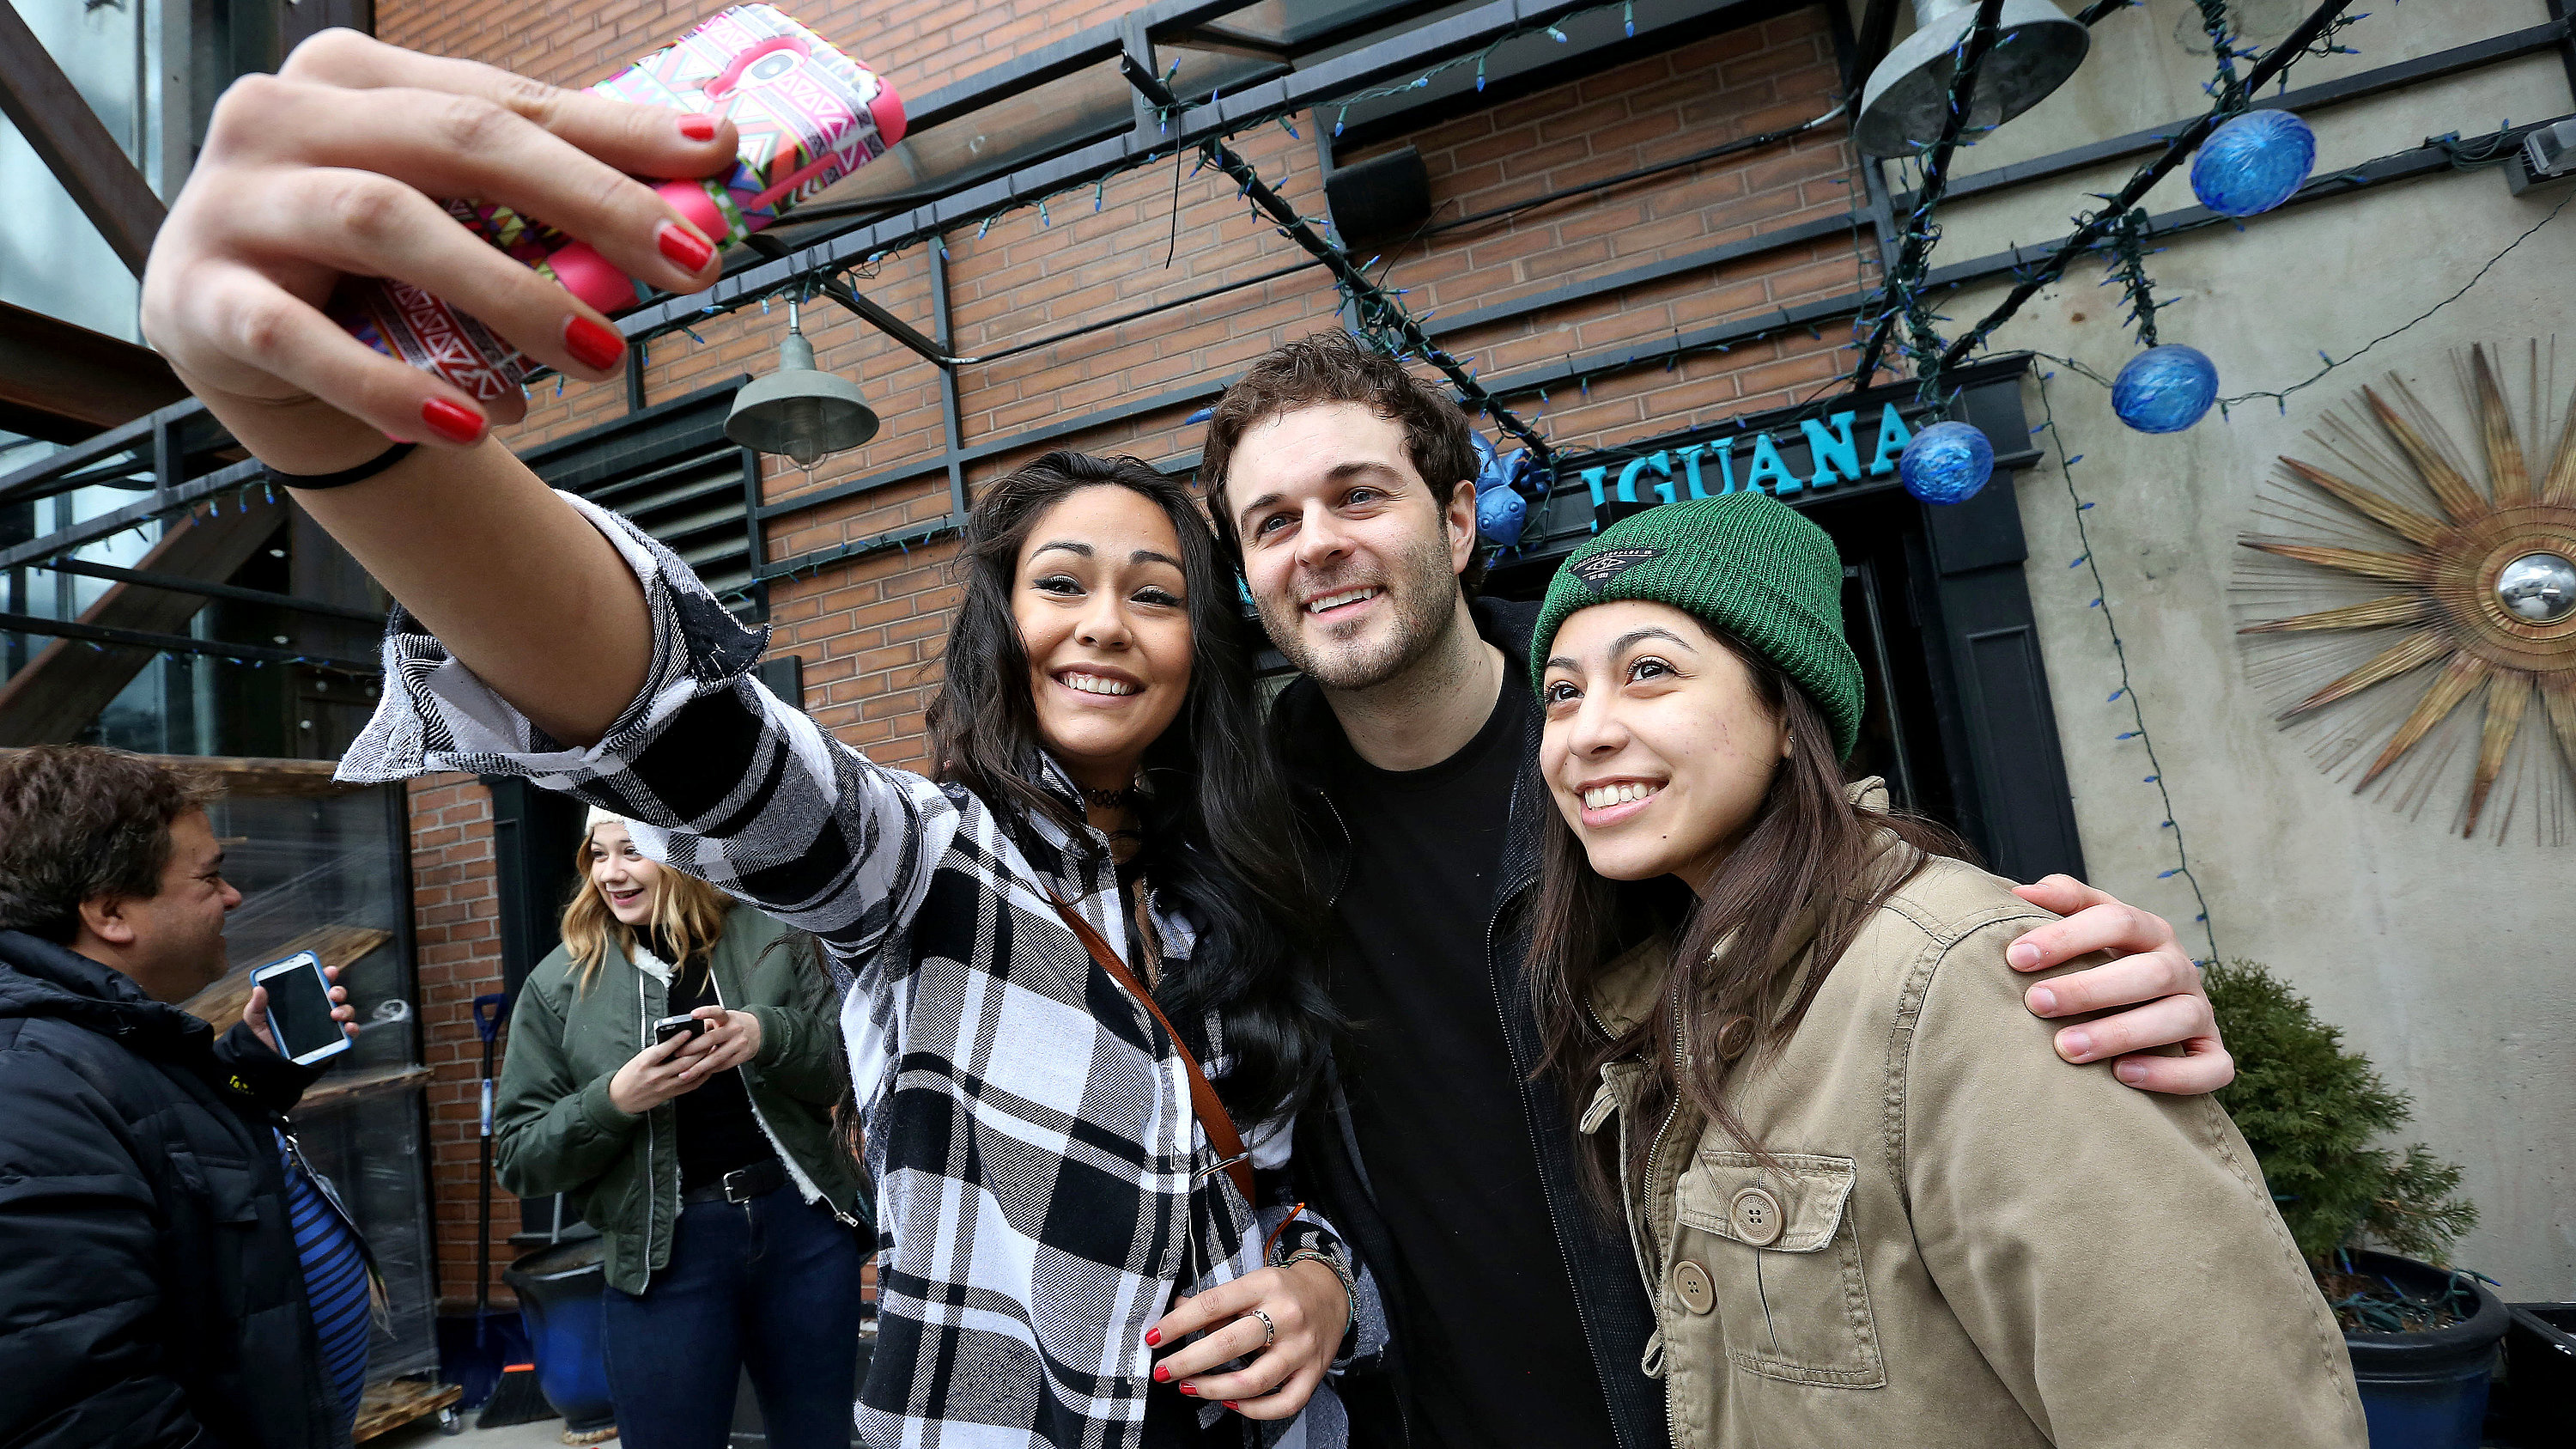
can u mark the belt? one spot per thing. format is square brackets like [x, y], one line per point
[741, 1185]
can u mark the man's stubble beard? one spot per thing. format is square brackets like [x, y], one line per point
[1423, 590]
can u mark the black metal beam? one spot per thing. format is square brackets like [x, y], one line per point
[1869, 47]
[177, 643]
[891, 325]
[207, 588]
[1321, 83]
[74, 144]
[2513, 45]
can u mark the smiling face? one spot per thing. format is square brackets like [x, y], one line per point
[1658, 744]
[172, 942]
[1351, 558]
[1103, 613]
[626, 880]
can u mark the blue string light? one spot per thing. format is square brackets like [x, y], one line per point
[2120, 654]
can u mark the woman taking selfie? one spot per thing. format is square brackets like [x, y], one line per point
[1854, 1226]
[701, 1148]
[1037, 949]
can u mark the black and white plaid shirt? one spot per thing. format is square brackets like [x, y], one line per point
[1042, 1184]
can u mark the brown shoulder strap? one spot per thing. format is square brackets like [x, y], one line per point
[1203, 1099]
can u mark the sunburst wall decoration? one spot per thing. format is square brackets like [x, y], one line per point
[2398, 590]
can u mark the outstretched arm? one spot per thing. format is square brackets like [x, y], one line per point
[2151, 975]
[327, 170]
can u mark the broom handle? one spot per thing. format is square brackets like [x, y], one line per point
[488, 1027]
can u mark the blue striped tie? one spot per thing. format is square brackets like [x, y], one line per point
[335, 1283]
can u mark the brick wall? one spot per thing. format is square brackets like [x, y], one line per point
[455, 916]
[868, 630]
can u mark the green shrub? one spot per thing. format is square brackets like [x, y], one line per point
[2310, 1109]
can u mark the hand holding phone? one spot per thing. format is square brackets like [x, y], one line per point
[298, 1011]
[659, 1072]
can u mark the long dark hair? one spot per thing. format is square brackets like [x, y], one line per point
[1219, 837]
[1809, 852]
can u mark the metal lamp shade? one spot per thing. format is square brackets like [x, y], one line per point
[2037, 46]
[800, 410]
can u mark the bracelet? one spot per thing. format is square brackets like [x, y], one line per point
[1350, 1287]
[314, 482]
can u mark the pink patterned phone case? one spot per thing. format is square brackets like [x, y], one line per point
[807, 116]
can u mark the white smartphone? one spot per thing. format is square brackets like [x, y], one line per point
[299, 1009]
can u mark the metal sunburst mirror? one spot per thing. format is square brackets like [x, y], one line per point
[2399, 590]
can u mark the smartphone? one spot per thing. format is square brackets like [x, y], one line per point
[299, 1009]
[671, 1026]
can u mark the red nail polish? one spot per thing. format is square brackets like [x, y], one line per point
[1185, 1388]
[683, 246]
[1162, 1375]
[698, 128]
[1153, 1338]
[1231, 1404]
[592, 345]
[455, 422]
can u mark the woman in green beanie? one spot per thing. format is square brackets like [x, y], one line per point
[1863, 1216]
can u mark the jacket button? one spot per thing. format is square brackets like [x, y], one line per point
[1690, 1282]
[1733, 1036]
[1756, 1215]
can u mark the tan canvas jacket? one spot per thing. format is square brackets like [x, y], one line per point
[1964, 1241]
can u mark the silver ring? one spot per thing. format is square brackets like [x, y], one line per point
[1269, 1330]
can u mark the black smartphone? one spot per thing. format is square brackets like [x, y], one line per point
[671, 1026]
[299, 1009]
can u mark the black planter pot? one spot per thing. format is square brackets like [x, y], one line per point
[2536, 1403]
[2425, 1390]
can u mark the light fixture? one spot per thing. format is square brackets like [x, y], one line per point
[800, 410]
[2037, 46]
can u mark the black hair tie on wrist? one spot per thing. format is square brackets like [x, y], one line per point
[314, 482]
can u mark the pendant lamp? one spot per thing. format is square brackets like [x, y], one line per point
[2037, 46]
[800, 410]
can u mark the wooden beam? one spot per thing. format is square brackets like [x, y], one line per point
[64, 383]
[64, 687]
[74, 144]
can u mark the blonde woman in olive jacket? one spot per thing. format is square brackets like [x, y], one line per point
[733, 1223]
[1862, 1217]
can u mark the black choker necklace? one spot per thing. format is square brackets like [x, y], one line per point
[1109, 799]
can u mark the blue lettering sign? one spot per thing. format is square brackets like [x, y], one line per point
[1832, 450]
[1893, 435]
[1767, 464]
[1660, 462]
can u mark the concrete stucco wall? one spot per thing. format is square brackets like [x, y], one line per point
[2446, 959]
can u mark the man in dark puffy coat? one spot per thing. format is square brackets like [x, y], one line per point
[161, 1273]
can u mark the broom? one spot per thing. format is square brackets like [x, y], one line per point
[516, 1398]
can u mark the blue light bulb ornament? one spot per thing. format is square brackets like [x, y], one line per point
[2165, 389]
[2253, 162]
[1501, 510]
[1946, 463]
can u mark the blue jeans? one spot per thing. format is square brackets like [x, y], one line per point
[772, 1286]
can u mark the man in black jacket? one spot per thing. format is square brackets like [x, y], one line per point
[153, 1278]
[1346, 489]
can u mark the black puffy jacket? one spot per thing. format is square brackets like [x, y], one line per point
[150, 1294]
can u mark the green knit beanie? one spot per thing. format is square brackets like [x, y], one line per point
[1745, 563]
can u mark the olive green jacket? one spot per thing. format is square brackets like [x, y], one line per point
[555, 1130]
[1962, 1241]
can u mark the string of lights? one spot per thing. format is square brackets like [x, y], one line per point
[1903, 287]
[2128, 690]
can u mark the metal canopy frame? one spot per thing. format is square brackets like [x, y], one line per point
[152, 442]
